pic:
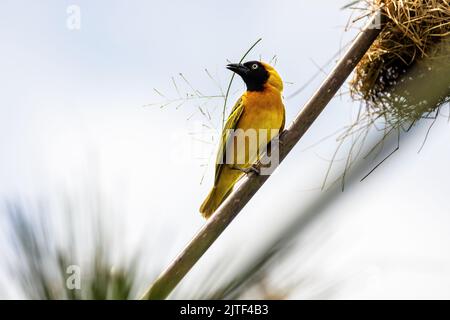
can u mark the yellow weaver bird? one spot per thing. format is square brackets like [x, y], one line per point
[260, 109]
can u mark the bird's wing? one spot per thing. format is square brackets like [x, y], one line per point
[230, 124]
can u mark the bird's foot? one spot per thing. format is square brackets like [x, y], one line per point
[253, 168]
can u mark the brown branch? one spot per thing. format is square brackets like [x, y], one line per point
[206, 236]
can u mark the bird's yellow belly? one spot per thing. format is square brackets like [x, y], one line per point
[260, 122]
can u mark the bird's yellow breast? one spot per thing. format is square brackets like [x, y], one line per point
[262, 110]
[261, 121]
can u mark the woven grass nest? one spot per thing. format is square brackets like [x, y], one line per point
[406, 72]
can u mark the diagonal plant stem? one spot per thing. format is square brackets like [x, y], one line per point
[219, 221]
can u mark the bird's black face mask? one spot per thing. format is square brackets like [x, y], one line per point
[253, 73]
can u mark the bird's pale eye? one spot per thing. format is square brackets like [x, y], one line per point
[254, 66]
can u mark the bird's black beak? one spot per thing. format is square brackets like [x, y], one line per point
[238, 68]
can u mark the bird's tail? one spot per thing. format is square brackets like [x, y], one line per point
[213, 201]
